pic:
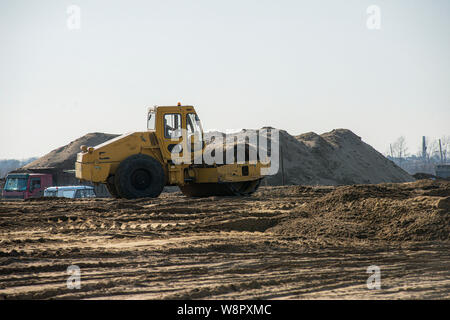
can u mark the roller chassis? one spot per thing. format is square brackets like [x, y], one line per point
[139, 164]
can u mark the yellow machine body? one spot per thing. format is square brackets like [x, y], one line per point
[99, 164]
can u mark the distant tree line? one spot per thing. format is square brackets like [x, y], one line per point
[8, 165]
[434, 151]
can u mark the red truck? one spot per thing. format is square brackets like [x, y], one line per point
[26, 185]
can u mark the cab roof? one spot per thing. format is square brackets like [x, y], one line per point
[25, 174]
[154, 108]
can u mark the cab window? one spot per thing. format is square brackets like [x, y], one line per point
[48, 193]
[68, 194]
[172, 125]
[193, 123]
[16, 183]
[35, 183]
[151, 121]
[193, 126]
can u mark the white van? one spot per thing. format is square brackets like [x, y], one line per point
[71, 192]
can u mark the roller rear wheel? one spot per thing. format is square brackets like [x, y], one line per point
[139, 176]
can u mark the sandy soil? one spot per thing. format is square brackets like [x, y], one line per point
[281, 243]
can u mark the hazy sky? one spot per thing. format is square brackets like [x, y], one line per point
[297, 65]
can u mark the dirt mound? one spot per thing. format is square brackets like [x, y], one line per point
[422, 175]
[65, 157]
[338, 157]
[412, 211]
[349, 160]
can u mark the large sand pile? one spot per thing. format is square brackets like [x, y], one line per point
[64, 157]
[338, 157]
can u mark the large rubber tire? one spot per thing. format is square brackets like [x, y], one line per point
[245, 188]
[112, 187]
[139, 176]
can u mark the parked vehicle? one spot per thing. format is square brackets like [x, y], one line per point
[71, 192]
[26, 185]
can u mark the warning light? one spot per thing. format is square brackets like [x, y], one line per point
[179, 104]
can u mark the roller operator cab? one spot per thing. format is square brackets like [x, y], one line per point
[140, 164]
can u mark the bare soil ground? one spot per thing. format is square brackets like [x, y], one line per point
[288, 242]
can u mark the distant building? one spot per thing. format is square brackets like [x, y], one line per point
[443, 170]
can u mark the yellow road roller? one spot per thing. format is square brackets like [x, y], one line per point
[169, 153]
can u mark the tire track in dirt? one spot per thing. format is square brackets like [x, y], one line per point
[175, 247]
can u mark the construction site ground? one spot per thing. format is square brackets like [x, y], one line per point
[290, 242]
